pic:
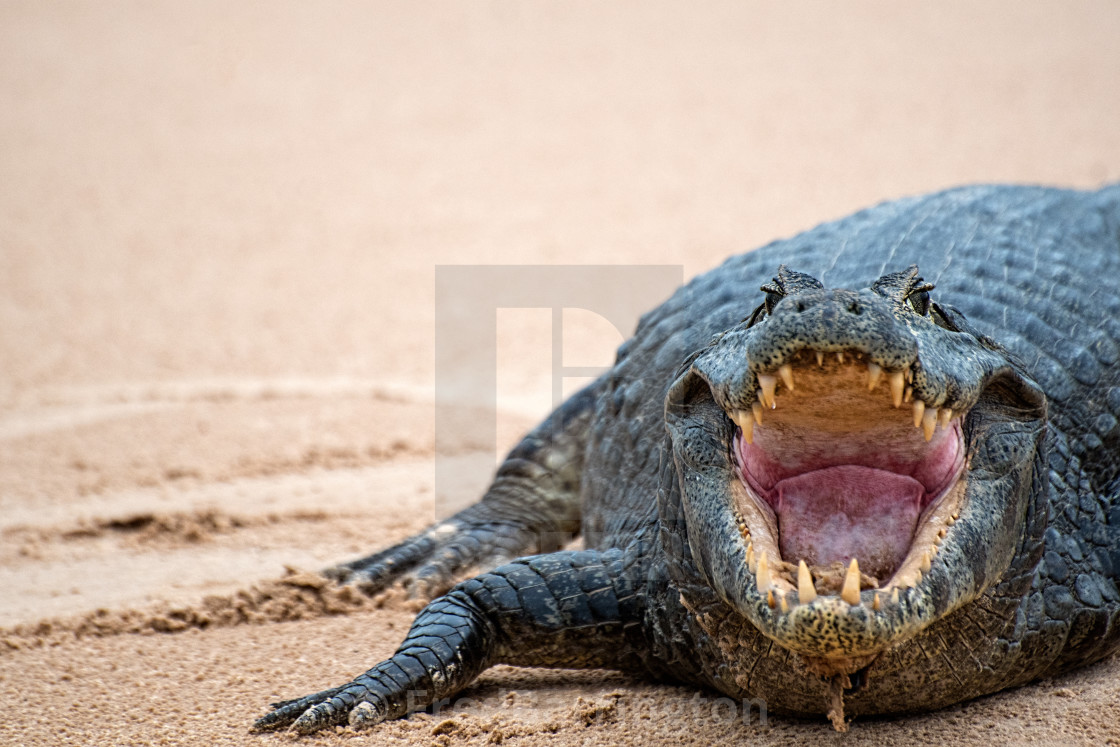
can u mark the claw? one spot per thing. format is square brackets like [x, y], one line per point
[314, 719]
[364, 715]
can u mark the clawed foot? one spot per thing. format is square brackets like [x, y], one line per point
[351, 704]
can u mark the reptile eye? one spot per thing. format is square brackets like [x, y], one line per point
[918, 297]
[919, 302]
[774, 293]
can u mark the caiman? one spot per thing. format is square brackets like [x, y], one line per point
[847, 492]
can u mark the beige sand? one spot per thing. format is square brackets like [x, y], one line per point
[219, 224]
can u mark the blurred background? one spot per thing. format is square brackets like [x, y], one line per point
[263, 189]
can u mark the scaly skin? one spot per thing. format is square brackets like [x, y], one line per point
[1010, 575]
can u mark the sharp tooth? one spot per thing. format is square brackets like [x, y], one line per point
[746, 425]
[925, 562]
[850, 592]
[769, 384]
[762, 575]
[908, 394]
[820, 358]
[806, 592]
[874, 371]
[770, 601]
[782, 602]
[751, 560]
[756, 410]
[951, 521]
[944, 416]
[786, 372]
[894, 595]
[929, 422]
[919, 410]
[840, 356]
[875, 603]
[897, 387]
[909, 375]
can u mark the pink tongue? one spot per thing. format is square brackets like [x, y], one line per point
[846, 512]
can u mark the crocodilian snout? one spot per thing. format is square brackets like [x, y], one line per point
[831, 320]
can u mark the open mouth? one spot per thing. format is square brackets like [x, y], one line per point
[848, 479]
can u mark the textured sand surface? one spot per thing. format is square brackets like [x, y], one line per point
[219, 228]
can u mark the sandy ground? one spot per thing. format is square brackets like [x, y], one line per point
[219, 231]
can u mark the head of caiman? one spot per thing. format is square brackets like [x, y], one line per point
[854, 465]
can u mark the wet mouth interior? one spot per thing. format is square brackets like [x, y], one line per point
[846, 464]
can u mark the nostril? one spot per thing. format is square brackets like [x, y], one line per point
[854, 308]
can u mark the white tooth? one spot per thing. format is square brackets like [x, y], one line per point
[751, 559]
[782, 602]
[919, 410]
[944, 416]
[840, 356]
[894, 595]
[756, 410]
[786, 372]
[746, 425]
[897, 386]
[875, 603]
[762, 575]
[806, 592]
[929, 422]
[820, 358]
[850, 591]
[769, 384]
[909, 375]
[925, 561]
[908, 394]
[874, 371]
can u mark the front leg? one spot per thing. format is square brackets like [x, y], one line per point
[566, 609]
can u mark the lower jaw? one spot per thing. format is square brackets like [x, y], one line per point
[841, 633]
